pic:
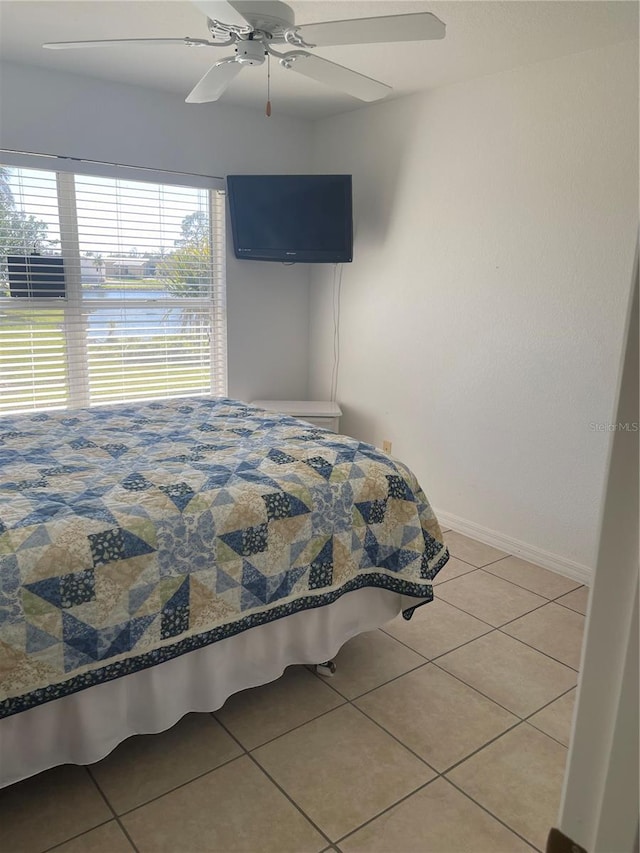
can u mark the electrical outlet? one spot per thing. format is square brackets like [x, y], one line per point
[386, 446]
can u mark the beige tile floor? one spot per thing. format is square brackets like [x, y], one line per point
[444, 734]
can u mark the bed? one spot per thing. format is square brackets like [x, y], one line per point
[157, 557]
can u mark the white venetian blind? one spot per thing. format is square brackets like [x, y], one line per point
[33, 348]
[125, 299]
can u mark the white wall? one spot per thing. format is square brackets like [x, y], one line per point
[482, 318]
[60, 113]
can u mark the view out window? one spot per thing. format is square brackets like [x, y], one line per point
[110, 290]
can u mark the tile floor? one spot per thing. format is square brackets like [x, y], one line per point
[445, 734]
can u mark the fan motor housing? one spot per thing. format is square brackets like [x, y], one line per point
[250, 52]
[270, 20]
[267, 16]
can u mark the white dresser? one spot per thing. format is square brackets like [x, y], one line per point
[317, 412]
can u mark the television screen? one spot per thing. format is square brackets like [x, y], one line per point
[295, 218]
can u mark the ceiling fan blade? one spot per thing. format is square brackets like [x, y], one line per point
[214, 82]
[63, 45]
[415, 27]
[338, 77]
[220, 10]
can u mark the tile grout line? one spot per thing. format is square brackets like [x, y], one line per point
[462, 645]
[352, 701]
[395, 737]
[279, 787]
[347, 701]
[116, 816]
[388, 808]
[566, 607]
[435, 660]
[290, 799]
[378, 725]
[441, 775]
[245, 752]
[182, 784]
[528, 719]
[486, 567]
[384, 683]
[442, 669]
[515, 619]
[475, 752]
[526, 588]
[292, 729]
[511, 637]
[490, 563]
[435, 657]
[542, 732]
[79, 834]
[443, 581]
[472, 615]
[491, 814]
[476, 690]
[515, 556]
[552, 601]
[126, 834]
[525, 613]
[508, 622]
[535, 649]
[546, 604]
[533, 713]
[458, 678]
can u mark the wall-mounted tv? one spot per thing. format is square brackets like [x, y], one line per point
[291, 218]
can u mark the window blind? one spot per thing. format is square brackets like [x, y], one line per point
[111, 290]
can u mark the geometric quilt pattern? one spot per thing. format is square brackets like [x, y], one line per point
[132, 534]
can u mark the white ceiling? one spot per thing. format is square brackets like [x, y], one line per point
[482, 38]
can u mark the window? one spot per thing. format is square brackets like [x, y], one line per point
[111, 289]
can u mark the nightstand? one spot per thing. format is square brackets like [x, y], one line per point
[317, 412]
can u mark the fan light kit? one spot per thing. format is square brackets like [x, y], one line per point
[252, 27]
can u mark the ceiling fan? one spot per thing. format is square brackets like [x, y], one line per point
[254, 26]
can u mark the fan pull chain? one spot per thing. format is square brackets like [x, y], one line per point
[268, 109]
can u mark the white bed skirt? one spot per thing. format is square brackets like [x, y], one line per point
[86, 726]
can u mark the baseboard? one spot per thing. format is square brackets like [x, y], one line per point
[561, 565]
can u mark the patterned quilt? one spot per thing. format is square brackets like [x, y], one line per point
[132, 534]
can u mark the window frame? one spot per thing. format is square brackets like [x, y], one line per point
[76, 305]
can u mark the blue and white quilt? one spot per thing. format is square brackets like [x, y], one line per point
[132, 534]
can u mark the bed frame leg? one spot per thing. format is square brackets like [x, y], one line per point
[327, 669]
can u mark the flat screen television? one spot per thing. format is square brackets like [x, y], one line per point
[291, 218]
